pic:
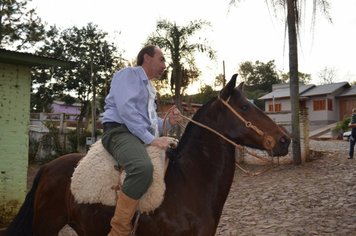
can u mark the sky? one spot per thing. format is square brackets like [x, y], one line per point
[247, 32]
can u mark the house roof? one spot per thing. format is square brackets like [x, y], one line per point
[348, 92]
[285, 93]
[325, 89]
[28, 59]
[310, 90]
[64, 104]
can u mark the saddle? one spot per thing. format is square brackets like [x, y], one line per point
[96, 178]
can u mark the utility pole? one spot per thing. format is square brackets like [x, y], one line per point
[224, 81]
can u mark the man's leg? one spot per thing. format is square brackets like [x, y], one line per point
[352, 145]
[131, 154]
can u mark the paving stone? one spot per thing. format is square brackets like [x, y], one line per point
[317, 198]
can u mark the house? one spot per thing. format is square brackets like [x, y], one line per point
[15, 87]
[61, 107]
[188, 108]
[326, 104]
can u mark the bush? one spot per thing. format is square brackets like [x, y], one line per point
[32, 149]
[73, 142]
[341, 127]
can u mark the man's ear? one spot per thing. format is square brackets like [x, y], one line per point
[146, 58]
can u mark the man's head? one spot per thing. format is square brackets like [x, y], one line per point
[354, 110]
[152, 61]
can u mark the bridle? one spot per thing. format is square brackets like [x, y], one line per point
[268, 141]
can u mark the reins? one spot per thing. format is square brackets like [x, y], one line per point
[268, 141]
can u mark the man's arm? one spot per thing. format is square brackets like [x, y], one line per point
[352, 125]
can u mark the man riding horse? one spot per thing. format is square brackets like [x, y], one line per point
[130, 121]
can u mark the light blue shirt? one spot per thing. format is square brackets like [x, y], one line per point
[127, 103]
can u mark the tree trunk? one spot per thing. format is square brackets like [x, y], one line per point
[80, 123]
[294, 81]
[177, 96]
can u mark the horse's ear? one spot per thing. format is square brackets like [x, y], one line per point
[227, 90]
[241, 86]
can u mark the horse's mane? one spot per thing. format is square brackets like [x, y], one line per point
[197, 116]
[173, 153]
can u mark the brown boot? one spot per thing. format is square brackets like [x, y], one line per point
[125, 210]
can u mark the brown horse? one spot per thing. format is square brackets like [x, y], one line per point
[198, 181]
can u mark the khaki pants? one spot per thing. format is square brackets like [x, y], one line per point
[130, 153]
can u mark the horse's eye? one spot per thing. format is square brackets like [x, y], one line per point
[244, 107]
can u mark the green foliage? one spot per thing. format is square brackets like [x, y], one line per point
[50, 141]
[342, 126]
[303, 78]
[67, 99]
[220, 80]
[259, 76]
[204, 95]
[73, 139]
[178, 42]
[96, 62]
[20, 28]
[32, 149]
[254, 95]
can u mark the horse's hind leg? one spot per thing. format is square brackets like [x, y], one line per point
[50, 208]
[78, 230]
[47, 224]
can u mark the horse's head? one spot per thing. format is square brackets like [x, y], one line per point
[240, 127]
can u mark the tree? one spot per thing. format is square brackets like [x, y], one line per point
[327, 75]
[19, 28]
[96, 61]
[254, 95]
[177, 42]
[303, 78]
[292, 9]
[220, 80]
[259, 76]
[205, 94]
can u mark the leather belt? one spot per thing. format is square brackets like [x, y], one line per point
[110, 125]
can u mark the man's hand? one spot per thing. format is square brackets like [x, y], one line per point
[352, 125]
[161, 143]
[174, 116]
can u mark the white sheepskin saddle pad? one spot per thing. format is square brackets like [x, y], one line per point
[95, 175]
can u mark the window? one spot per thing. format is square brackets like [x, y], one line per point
[302, 104]
[319, 105]
[270, 107]
[330, 104]
[277, 107]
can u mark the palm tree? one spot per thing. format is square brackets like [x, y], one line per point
[177, 41]
[293, 12]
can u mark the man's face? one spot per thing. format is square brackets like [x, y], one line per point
[156, 64]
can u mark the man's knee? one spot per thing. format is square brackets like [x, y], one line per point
[145, 170]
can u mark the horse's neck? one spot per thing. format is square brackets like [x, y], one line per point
[207, 159]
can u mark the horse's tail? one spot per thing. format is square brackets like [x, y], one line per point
[22, 224]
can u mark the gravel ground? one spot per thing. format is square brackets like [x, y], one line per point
[315, 198]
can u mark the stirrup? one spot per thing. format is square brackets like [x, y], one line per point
[133, 231]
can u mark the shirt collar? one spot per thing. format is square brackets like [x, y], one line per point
[144, 73]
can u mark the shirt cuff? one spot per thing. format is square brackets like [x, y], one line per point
[147, 137]
[169, 126]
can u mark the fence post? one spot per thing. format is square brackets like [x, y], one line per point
[43, 117]
[61, 123]
[304, 133]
